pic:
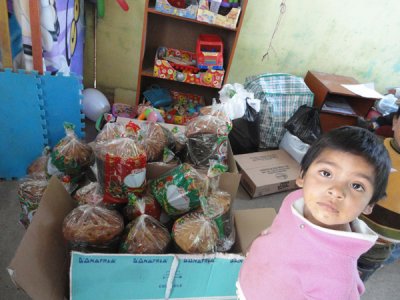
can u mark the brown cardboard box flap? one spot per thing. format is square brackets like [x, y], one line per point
[39, 266]
[249, 223]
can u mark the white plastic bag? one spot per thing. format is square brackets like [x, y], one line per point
[387, 104]
[233, 100]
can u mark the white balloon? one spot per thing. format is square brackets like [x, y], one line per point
[94, 104]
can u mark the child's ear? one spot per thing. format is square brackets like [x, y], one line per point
[368, 209]
[300, 181]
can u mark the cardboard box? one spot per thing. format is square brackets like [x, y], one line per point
[249, 224]
[205, 270]
[40, 268]
[267, 172]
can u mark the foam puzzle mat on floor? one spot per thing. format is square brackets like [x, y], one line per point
[22, 122]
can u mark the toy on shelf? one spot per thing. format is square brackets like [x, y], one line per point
[226, 6]
[157, 96]
[123, 110]
[182, 8]
[150, 114]
[209, 52]
[185, 107]
[164, 69]
[227, 15]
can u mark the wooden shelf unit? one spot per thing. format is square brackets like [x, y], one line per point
[328, 87]
[161, 29]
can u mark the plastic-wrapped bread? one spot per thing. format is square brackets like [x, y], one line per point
[178, 190]
[38, 168]
[89, 194]
[154, 140]
[30, 193]
[207, 140]
[93, 228]
[71, 155]
[110, 131]
[146, 204]
[145, 235]
[121, 168]
[195, 233]
[216, 204]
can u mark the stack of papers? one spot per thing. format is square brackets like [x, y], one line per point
[364, 90]
[338, 105]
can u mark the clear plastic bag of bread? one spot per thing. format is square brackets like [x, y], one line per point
[221, 202]
[89, 194]
[71, 155]
[145, 234]
[110, 131]
[195, 232]
[121, 168]
[207, 139]
[217, 110]
[38, 168]
[179, 189]
[134, 208]
[30, 192]
[93, 228]
[152, 136]
[218, 206]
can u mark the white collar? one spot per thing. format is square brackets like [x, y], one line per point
[361, 230]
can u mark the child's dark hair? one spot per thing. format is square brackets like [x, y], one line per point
[358, 141]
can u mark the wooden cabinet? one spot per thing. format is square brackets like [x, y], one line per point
[161, 29]
[337, 105]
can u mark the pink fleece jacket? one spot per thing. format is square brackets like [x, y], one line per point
[295, 259]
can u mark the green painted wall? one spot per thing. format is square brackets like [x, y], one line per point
[357, 38]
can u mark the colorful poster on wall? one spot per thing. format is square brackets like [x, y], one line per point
[62, 35]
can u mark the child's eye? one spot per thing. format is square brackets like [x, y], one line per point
[325, 173]
[357, 187]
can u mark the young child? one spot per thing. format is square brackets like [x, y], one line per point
[385, 218]
[311, 249]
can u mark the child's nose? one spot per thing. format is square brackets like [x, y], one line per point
[337, 192]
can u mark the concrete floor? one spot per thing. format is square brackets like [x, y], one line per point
[384, 284]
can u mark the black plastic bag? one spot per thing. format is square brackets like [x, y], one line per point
[245, 134]
[305, 124]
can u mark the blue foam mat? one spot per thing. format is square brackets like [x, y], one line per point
[22, 122]
[62, 97]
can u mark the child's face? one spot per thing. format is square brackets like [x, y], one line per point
[337, 189]
[396, 129]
